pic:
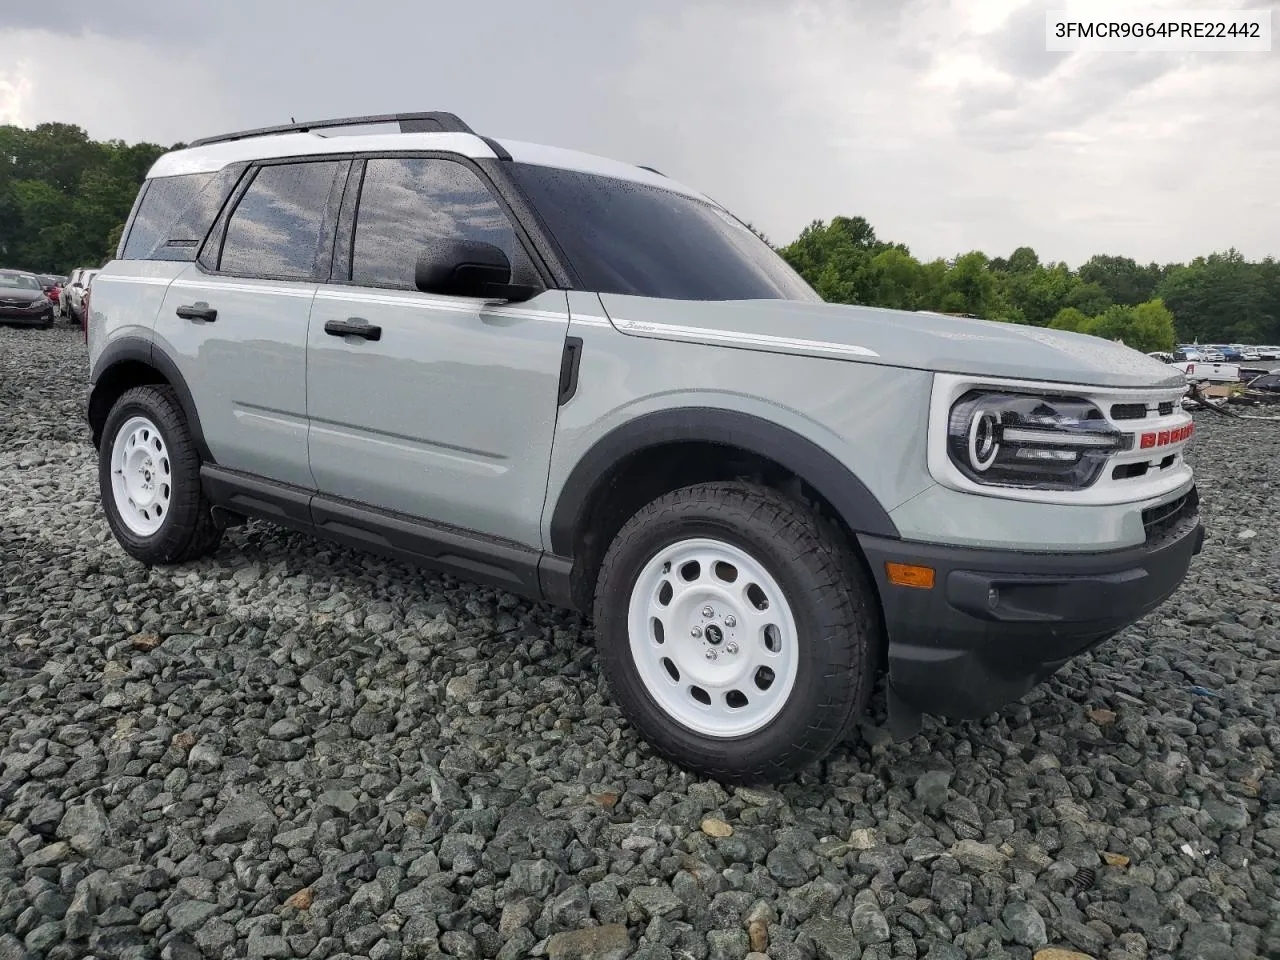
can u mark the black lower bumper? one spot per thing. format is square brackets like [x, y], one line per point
[997, 622]
[29, 318]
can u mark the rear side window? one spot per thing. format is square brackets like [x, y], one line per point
[278, 228]
[407, 201]
[175, 213]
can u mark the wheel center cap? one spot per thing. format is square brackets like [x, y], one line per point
[714, 635]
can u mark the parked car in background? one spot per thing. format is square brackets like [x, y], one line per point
[1269, 353]
[52, 285]
[73, 293]
[1229, 353]
[64, 293]
[23, 300]
[1198, 369]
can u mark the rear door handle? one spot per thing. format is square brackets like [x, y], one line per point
[353, 327]
[198, 311]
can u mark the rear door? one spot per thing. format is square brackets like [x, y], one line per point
[448, 415]
[236, 320]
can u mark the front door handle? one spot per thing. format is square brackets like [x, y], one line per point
[198, 311]
[353, 327]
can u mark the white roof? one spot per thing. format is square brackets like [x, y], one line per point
[215, 156]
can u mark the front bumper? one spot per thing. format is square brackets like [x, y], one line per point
[997, 622]
[26, 315]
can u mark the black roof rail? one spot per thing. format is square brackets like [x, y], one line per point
[651, 170]
[434, 122]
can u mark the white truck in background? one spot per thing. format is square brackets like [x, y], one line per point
[1199, 370]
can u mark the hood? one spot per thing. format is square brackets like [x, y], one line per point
[16, 295]
[921, 341]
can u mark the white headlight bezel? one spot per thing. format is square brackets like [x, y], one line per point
[948, 388]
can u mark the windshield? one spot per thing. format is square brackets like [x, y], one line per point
[631, 238]
[18, 281]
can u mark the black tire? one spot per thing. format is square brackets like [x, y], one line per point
[189, 530]
[832, 603]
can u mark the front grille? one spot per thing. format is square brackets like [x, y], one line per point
[1140, 411]
[1128, 411]
[1159, 521]
[1127, 471]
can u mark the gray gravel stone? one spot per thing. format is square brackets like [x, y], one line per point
[1227, 813]
[609, 942]
[1026, 924]
[832, 939]
[657, 900]
[869, 923]
[191, 915]
[931, 789]
[727, 945]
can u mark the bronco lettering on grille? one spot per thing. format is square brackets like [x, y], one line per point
[1164, 438]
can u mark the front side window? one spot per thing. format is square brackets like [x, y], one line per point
[407, 202]
[632, 238]
[277, 228]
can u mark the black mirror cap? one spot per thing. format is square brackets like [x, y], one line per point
[467, 268]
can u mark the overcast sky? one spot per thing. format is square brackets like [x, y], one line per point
[946, 124]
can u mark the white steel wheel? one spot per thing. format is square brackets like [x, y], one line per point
[141, 476]
[713, 637]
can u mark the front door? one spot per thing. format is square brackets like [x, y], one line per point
[448, 415]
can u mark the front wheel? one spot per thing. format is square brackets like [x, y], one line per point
[736, 632]
[149, 477]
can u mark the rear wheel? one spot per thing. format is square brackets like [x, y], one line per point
[735, 631]
[149, 477]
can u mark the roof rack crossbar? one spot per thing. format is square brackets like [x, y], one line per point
[434, 122]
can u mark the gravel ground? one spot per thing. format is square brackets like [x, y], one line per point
[292, 750]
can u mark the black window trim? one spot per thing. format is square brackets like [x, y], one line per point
[133, 216]
[209, 259]
[551, 271]
[344, 235]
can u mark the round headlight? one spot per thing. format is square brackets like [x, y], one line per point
[983, 445]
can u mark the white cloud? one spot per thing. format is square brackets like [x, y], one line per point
[15, 90]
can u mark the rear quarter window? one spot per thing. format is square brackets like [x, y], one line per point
[176, 213]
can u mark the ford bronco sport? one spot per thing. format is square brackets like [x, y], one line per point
[583, 382]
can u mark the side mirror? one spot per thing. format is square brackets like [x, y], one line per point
[467, 268]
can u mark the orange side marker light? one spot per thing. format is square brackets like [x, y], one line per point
[909, 575]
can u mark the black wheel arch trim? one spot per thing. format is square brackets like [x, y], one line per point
[140, 350]
[850, 497]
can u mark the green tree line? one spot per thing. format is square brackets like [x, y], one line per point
[1219, 298]
[64, 199]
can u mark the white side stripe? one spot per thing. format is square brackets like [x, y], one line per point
[420, 302]
[149, 281]
[215, 284]
[676, 332]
